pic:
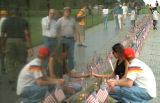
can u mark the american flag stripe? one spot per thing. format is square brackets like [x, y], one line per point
[94, 69]
[59, 95]
[50, 99]
[92, 99]
[102, 95]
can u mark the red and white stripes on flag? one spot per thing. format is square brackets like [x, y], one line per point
[59, 94]
[102, 95]
[92, 99]
[50, 99]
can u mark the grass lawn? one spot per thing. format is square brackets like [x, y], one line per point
[35, 29]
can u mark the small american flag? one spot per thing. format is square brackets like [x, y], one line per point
[94, 69]
[92, 99]
[98, 66]
[102, 95]
[59, 94]
[50, 99]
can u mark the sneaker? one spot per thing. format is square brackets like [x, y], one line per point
[84, 45]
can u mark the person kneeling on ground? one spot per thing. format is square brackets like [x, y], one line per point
[121, 66]
[58, 67]
[138, 87]
[32, 83]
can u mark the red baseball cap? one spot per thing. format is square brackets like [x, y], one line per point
[129, 53]
[43, 52]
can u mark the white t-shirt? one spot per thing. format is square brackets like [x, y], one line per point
[142, 76]
[105, 12]
[133, 15]
[125, 9]
[2, 19]
[48, 27]
[29, 74]
[155, 15]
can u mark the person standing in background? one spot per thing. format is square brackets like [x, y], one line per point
[155, 18]
[18, 42]
[81, 21]
[120, 16]
[49, 30]
[133, 17]
[105, 12]
[125, 11]
[3, 14]
[66, 31]
[115, 15]
[157, 4]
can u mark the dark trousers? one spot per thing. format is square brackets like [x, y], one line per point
[16, 56]
[2, 59]
[154, 24]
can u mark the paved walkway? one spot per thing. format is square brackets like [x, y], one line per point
[151, 55]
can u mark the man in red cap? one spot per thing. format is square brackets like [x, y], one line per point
[139, 86]
[32, 83]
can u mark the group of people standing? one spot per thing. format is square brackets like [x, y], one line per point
[120, 13]
[155, 14]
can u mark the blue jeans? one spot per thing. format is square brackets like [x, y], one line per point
[105, 20]
[69, 44]
[116, 22]
[134, 94]
[50, 43]
[33, 94]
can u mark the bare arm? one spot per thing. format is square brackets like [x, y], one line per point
[103, 76]
[51, 66]
[73, 74]
[126, 69]
[42, 81]
[125, 82]
[28, 39]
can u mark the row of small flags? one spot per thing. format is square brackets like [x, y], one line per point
[55, 97]
[100, 96]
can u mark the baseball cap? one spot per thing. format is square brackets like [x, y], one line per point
[43, 52]
[129, 53]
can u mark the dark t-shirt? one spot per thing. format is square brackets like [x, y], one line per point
[14, 27]
[120, 69]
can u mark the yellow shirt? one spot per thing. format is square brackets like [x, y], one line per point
[82, 14]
